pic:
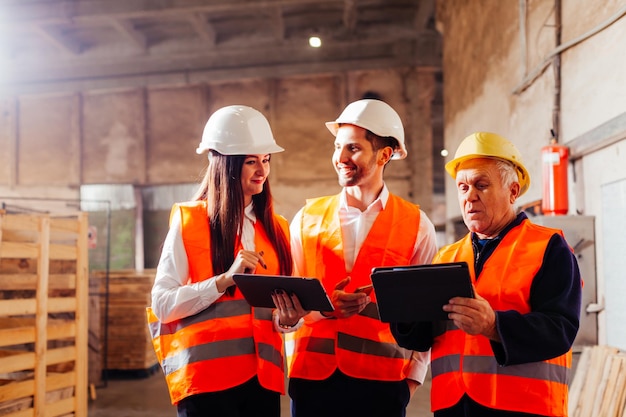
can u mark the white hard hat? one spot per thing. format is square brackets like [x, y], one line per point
[238, 130]
[376, 116]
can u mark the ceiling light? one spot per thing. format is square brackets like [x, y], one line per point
[444, 152]
[315, 42]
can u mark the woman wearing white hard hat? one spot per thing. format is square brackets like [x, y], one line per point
[219, 355]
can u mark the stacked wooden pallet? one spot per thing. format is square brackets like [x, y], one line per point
[599, 385]
[123, 304]
[43, 315]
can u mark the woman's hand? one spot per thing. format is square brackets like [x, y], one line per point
[245, 262]
[289, 309]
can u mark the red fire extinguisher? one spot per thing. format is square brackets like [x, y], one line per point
[554, 158]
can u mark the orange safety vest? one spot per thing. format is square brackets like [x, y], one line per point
[360, 346]
[229, 342]
[462, 363]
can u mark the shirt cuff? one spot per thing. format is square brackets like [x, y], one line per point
[419, 366]
[286, 329]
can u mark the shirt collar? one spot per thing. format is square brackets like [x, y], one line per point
[516, 222]
[381, 200]
[249, 212]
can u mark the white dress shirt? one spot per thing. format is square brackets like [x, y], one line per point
[355, 226]
[172, 297]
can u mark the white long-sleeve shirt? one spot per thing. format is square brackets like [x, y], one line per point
[355, 226]
[172, 297]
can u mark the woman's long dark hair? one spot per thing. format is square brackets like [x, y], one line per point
[221, 188]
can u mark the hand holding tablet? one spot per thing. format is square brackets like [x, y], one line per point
[419, 292]
[258, 289]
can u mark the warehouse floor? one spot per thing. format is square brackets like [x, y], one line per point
[148, 397]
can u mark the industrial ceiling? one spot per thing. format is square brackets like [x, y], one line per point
[52, 41]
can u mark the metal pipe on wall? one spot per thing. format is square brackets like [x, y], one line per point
[556, 66]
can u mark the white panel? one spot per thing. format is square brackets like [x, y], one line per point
[579, 234]
[613, 227]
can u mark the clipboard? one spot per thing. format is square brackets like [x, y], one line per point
[407, 294]
[257, 290]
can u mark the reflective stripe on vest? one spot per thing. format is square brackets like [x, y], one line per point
[488, 365]
[360, 346]
[227, 343]
[465, 364]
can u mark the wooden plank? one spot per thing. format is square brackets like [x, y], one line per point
[19, 250]
[61, 304]
[576, 387]
[67, 225]
[62, 330]
[14, 362]
[56, 381]
[15, 331]
[591, 382]
[17, 307]
[619, 403]
[606, 387]
[21, 222]
[14, 282]
[22, 413]
[41, 319]
[16, 336]
[20, 236]
[61, 407]
[60, 355]
[63, 252]
[614, 395]
[17, 389]
[82, 316]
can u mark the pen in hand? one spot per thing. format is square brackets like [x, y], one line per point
[261, 261]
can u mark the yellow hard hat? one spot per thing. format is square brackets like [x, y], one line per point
[489, 145]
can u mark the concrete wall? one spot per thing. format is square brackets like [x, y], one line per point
[145, 136]
[488, 65]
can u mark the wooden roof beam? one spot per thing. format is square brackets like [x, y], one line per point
[53, 36]
[278, 23]
[204, 29]
[350, 17]
[127, 30]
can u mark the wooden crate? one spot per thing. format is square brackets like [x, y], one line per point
[598, 388]
[123, 302]
[43, 315]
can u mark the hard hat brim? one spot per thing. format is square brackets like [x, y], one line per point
[399, 153]
[523, 176]
[224, 149]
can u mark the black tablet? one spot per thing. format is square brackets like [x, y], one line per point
[257, 290]
[419, 292]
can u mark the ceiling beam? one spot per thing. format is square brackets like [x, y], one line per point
[234, 60]
[278, 23]
[425, 9]
[97, 10]
[127, 30]
[51, 35]
[203, 28]
[350, 17]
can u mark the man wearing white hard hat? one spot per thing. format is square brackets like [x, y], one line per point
[506, 352]
[347, 363]
[219, 355]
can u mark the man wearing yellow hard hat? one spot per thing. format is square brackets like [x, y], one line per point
[506, 352]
